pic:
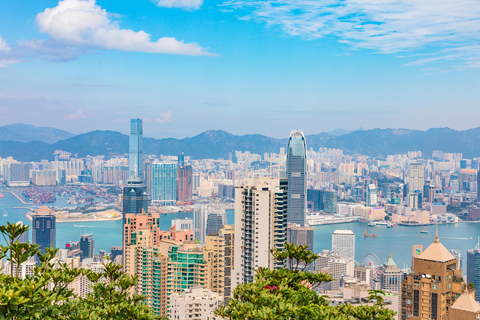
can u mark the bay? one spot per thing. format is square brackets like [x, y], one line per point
[397, 241]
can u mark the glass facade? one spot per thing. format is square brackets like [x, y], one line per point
[297, 178]
[164, 183]
[473, 270]
[135, 198]
[135, 159]
[43, 231]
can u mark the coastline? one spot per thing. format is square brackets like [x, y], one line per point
[29, 217]
[16, 196]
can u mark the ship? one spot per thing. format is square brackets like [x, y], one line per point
[372, 224]
[2, 195]
[389, 224]
[424, 231]
[369, 235]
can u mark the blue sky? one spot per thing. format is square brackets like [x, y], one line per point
[267, 67]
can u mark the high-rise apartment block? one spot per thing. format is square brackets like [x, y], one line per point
[184, 180]
[416, 177]
[434, 286]
[135, 160]
[297, 178]
[343, 243]
[43, 228]
[219, 249]
[164, 183]
[260, 225]
[200, 214]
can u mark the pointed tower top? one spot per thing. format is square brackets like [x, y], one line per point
[436, 240]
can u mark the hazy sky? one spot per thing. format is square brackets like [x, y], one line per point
[267, 67]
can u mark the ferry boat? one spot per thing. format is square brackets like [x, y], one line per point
[424, 231]
[369, 235]
[389, 224]
[372, 224]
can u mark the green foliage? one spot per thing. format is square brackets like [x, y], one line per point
[288, 293]
[45, 294]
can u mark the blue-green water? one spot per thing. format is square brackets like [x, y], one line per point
[397, 240]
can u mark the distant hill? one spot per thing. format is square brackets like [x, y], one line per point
[216, 144]
[27, 133]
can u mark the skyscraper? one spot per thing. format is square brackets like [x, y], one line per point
[135, 160]
[473, 269]
[297, 178]
[260, 225]
[200, 213]
[343, 243]
[184, 180]
[135, 198]
[87, 246]
[43, 228]
[416, 179]
[164, 183]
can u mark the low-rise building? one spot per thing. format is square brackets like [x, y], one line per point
[195, 303]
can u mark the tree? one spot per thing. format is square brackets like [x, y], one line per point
[289, 293]
[45, 294]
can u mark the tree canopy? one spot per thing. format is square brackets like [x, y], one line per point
[289, 293]
[46, 295]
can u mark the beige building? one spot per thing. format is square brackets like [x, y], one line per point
[465, 308]
[435, 285]
[195, 303]
[391, 276]
[219, 251]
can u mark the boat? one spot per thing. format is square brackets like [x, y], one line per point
[389, 224]
[424, 231]
[369, 235]
[5, 214]
[2, 195]
[372, 224]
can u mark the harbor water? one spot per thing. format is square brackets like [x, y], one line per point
[397, 241]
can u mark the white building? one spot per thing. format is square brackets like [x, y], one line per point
[25, 269]
[343, 243]
[260, 225]
[195, 303]
[182, 224]
[336, 266]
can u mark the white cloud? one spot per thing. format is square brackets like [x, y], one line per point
[164, 117]
[184, 4]
[76, 115]
[3, 45]
[386, 26]
[84, 24]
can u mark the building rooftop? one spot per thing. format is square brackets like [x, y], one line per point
[466, 302]
[436, 252]
[390, 261]
[44, 211]
[343, 231]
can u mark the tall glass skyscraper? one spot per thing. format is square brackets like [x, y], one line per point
[297, 178]
[164, 183]
[135, 159]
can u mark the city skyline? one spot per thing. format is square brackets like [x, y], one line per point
[238, 66]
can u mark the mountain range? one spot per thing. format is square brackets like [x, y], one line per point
[34, 144]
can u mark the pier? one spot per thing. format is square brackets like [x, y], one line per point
[16, 196]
